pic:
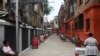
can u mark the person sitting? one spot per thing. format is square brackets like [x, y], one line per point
[63, 38]
[7, 49]
[42, 38]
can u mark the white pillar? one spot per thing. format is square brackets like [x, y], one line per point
[1, 35]
[20, 40]
[34, 32]
[17, 30]
[4, 4]
[29, 37]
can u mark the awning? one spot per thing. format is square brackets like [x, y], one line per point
[3, 22]
[3, 13]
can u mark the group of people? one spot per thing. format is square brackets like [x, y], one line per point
[37, 40]
[90, 43]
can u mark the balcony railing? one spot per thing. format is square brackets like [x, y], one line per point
[36, 1]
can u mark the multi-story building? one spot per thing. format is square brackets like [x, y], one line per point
[30, 15]
[87, 18]
[61, 16]
[82, 16]
[69, 17]
[56, 24]
[36, 15]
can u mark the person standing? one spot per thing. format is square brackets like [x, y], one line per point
[42, 38]
[91, 46]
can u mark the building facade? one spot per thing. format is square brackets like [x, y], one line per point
[36, 15]
[82, 17]
[67, 17]
[27, 23]
[61, 16]
[56, 24]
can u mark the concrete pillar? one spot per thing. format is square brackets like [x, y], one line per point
[20, 40]
[4, 4]
[1, 35]
[34, 32]
[29, 37]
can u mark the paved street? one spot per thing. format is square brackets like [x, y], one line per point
[53, 46]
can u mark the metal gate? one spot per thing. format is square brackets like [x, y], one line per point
[24, 38]
[31, 35]
[10, 35]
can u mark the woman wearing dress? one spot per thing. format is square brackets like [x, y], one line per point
[91, 46]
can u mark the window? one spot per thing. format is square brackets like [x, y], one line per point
[1, 4]
[80, 2]
[87, 25]
[76, 24]
[86, 1]
[80, 21]
[74, 6]
[67, 26]
[72, 27]
[68, 13]
[76, 27]
[71, 10]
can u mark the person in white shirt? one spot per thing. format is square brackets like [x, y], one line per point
[7, 49]
[91, 46]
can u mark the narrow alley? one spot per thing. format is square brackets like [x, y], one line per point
[53, 46]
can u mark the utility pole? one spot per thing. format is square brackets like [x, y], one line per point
[43, 16]
[17, 34]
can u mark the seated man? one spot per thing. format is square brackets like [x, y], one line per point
[7, 49]
[63, 38]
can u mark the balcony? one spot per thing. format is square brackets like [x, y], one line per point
[36, 1]
[3, 14]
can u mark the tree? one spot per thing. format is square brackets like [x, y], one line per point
[47, 8]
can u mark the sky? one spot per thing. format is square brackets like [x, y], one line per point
[56, 4]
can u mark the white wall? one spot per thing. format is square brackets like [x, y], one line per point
[1, 35]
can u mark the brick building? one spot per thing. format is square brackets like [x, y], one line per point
[81, 17]
[62, 28]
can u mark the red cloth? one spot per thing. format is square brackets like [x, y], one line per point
[35, 42]
[76, 54]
